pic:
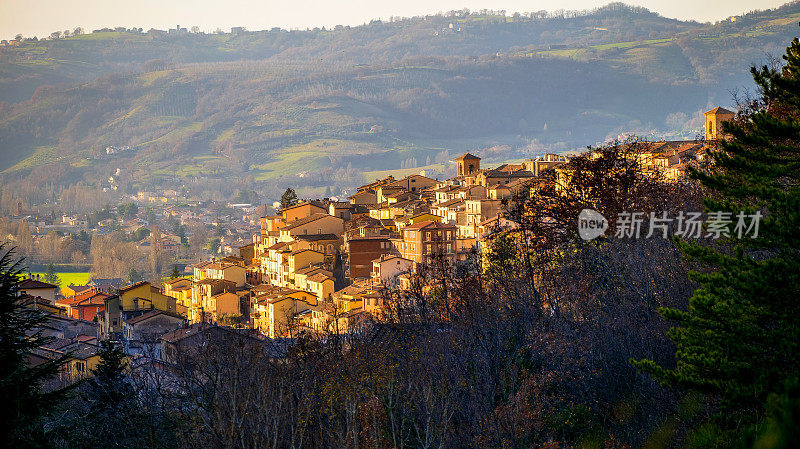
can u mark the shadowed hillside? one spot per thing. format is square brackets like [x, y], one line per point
[309, 105]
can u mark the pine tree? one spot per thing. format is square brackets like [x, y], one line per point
[51, 276]
[24, 401]
[174, 273]
[289, 198]
[134, 276]
[739, 337]
[109, 387]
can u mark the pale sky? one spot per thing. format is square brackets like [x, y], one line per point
[41, 17]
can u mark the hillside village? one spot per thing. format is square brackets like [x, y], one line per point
[317, 267]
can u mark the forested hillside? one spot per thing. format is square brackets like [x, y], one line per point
[221, 112]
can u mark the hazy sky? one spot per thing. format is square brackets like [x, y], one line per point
[41, 17]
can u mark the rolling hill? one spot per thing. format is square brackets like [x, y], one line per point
[219, 113]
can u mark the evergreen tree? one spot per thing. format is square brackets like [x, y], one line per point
[21, 384]
[739, 337]
[289, 198]
[51, 276]
[174, 273]
[134, 276]
[109, 387]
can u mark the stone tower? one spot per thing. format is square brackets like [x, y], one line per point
[467, 165]
[713, 122]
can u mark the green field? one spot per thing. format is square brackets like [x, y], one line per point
[71, 278]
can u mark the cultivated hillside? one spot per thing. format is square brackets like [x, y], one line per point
[323, 107]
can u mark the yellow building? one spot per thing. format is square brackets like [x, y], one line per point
[274, 311]
[225, 303]
[82, 358]
[131, 301]
[467, 165]
[203, 304]
[303, 258]
[142, 295]
[181, 290]
[713, 122]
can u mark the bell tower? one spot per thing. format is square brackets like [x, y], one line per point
[467, 165]
[713, 122]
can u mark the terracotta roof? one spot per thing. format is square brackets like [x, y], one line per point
[29, 283]
[430, 224]
[79, 288]
[277, 246]
[133, 286]
[319, 277]
[719, 110]
[294, 253]
[173, 281]
[96, 299]
[202, 264]
[316, 237]
[450, 203]
[385, 257]
[467, 156]
[214, 281]
[150, 314]
[310, 219]
[312, 270]
[314, 203]
[508, 174]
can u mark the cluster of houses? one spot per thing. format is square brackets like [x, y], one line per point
[321, 266]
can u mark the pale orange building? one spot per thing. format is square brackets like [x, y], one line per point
[422, 240]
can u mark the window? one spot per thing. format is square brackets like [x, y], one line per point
[80, 366]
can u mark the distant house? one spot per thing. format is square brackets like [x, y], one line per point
[131, 301]
[82, 357]
[423, 240]
[85, 305]
[35, 287]
[72, 289]
[106, 285]
[201, 339]
[141, 335]
[303, 210]
[319, 223]
[386, 269]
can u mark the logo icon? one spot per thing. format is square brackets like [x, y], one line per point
[591, 224]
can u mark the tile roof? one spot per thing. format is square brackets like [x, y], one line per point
[429, 225]
[319, 277]
[133, 286]
[33, 284]
[466, 156]
[719, 110]
[147, 315]
[294, 253]
[79, 288]
[303, 221]
[316, 237]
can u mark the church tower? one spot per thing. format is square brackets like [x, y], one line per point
[713, 122]
[467, 165]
